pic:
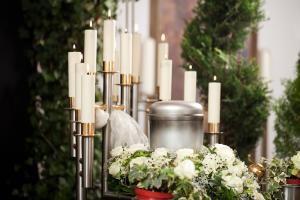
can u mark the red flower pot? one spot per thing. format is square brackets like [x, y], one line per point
[149, 195]
[293, 181]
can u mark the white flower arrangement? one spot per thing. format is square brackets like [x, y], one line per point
[187, 174]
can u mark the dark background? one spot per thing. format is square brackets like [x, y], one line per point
[14, 96]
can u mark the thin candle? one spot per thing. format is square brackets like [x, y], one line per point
[162, 52]
[190, 85]
[73, 58]
[214, 100]
[109, 39]
[90, 47]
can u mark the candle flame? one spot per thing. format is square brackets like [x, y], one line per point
[215, 77]
[166, 56]
[125, 30]
[74, 46]
[190, 67]
[109, 13]
[91, 24]
[136, 27]
[163, 37]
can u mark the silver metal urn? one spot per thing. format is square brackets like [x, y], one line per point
[291, 192]
[175, 125]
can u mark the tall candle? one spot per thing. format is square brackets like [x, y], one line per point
[80, 69]
[162, 53]
[88, 98]
[165, 90]
[147, 86]
[214, 100]
[136, 52]
[190, 85]
[126, 53]
[109, 39]
[73, 58]
[90, 47]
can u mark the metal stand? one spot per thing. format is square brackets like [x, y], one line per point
[134, 99]
[72, 127]
[125, 83]
[88, 160]
[80, 191]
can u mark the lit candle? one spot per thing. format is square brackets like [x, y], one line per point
[162, 53]
[126, 53]
[90, 47]
[147, 86]
[109, 35]
[165, 90]
[73, 58]
[136, 52]
[190, 85]
[80, 69]
[214, 100]
[88, 98]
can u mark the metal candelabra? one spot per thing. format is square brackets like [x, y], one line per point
[213, 133]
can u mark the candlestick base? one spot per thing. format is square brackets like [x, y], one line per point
[125, 79]
[108, 67]
[88, 129]
[213, 128]
[71, 102]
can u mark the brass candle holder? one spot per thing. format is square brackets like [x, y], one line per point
[213, 133]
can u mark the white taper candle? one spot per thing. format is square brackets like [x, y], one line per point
[73, 58]
[190, 85]
[214, 100]
[136, 53]
[80, 68]
[126, 53]
[109, 39]
[90, 48]
[165, 90]
[88, 98]
[162, 53]
[147, 86]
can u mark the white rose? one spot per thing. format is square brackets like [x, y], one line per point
[185, 169]
[183, 153]
[258, 196]
[137, 147]
[237, 169]
[160, 152]
[233, 182]
[211, 163]
[117, 151]
[114, 168]
[139, 161]
[225, 153]
[296, 160]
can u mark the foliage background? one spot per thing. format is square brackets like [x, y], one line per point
[287, 123]
[212, 43]
[50, 28]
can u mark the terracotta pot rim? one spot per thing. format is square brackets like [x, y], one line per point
[148, 193]
[293, 181]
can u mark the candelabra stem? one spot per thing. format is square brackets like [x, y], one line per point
[88, 160]
[108, 90]
[80, 191]
[125, 98]
[213, 138]
[134, 100]
[73, 133]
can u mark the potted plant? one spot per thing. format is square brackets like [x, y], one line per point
[209, 173]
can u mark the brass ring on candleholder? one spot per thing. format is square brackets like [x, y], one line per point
[213, 128]
[135, 80]
[108, 66]
[101, 106]
[125, 79]
[88, 129]
[77, 114]
[118, 107]
[71, 102]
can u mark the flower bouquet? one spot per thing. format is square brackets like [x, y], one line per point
[209, 173]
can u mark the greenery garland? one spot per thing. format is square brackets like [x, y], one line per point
[50, 28]
[287, 123]
[211, 43]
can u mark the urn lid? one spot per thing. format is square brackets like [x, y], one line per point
[175, 110]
